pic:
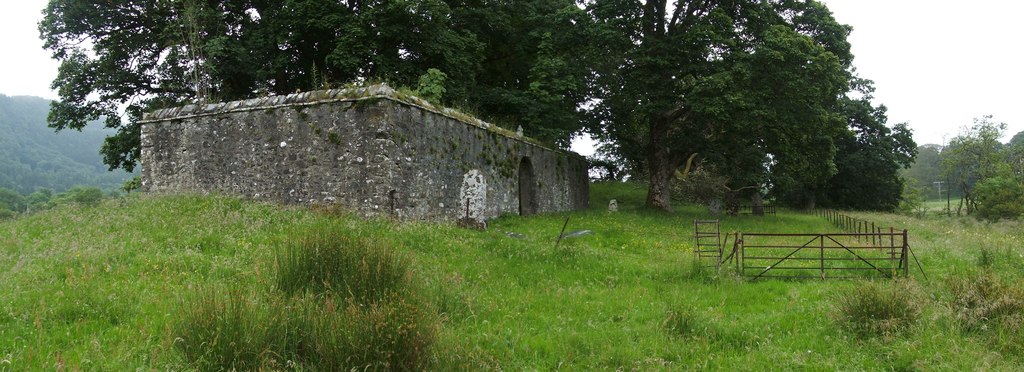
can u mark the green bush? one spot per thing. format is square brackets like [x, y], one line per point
[912, 200]
[89, 196]
[431, 86]
[11, 200]
[874, 309]
[999, 197]
[701, 186]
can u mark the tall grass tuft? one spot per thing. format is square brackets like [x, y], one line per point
[986, 259]
[686, 323]
[328, 260]
[982, 301]
[390, 335]
[874, 309]
[339, 303]
[221, 329]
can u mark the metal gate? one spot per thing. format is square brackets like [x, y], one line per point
[707, 245]
[822, 256]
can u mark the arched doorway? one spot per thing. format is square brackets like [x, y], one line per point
[527, 188]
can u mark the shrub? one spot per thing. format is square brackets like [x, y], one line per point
[912, 200]
[431, 86]
[981, 301]
[999, 197]
[874, 309]
[325, 260]
[89, 196]
[701, 186]
[11, 200]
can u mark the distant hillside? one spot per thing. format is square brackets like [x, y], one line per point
[33, 156]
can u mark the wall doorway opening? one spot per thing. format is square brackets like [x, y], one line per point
[527, 188]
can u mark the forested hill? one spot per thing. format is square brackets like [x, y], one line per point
[33, 156]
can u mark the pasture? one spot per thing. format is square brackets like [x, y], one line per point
[131, 283]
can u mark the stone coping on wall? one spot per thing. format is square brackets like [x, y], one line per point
[319, 97]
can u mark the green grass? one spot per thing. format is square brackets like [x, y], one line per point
[104, 287]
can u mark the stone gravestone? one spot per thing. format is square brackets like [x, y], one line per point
[473, 196]
[715, 207]
[613, 205]
[757, 204]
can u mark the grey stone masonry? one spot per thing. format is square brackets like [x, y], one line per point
[373, 150]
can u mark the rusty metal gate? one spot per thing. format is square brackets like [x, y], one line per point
[822, 256]
[707, 245]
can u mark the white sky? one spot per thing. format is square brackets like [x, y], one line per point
[936, 63]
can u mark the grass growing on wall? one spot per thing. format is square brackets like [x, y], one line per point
[129, 284]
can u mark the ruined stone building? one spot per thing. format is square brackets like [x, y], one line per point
[372, 150]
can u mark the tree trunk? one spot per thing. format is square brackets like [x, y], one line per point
[661, 164]
[732, 202]
[811, 200]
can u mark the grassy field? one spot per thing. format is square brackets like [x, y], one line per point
[117, 286]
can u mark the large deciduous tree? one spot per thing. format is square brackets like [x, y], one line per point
[125, 57]
[755, 82]
[869, 159]
[973, 156]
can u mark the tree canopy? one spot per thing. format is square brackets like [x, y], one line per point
[756, 88]
[502, 60]
[751, 85]
[869, 159]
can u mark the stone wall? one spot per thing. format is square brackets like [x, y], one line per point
[369, 149]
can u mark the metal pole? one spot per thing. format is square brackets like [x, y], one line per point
[892, 238]
[743, 252]
[874, 241]
[718, 244]
[696, 242]
[905, 258]
[949, 212]
[821, 244]
[562, 234]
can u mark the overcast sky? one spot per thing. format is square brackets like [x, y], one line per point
[937, 64]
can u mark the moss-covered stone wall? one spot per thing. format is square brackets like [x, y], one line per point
[372, 150]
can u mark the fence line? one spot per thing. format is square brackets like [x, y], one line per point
[862, 248]
[757, 210]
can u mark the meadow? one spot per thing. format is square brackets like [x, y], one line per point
[214, 282]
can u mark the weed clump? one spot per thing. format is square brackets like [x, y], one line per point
[220, 329]
[686, 323]
[328, 261]
[874, 309]
[339, 303]
[981, 301]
